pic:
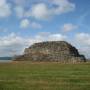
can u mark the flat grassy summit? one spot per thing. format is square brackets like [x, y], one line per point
[60, 51]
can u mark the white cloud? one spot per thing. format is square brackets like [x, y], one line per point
[9, 40]
[83, 40]
[69, 27]
[35, 25]
[2, 2]
[57, 37]
[85, 51]
[5, 9]
[63, 6]
[14, 44]
[11, 44]
[19, 11]
[19, 2]
[43, 11]
[24, 23]
[39, 11]
[23, 3]
[49, 37]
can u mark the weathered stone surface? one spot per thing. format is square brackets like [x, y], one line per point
[52, 51]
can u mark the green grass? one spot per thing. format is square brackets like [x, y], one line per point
[44, 76]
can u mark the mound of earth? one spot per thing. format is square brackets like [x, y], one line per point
[60, 51]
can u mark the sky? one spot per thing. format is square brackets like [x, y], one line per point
[24, 22]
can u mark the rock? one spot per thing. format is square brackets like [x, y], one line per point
[58, 51]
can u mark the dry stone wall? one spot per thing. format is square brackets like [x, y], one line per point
[59, 51]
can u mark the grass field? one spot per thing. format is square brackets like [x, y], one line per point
[44, 76]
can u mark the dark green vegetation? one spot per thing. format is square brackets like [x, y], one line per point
[5, 58]
[44, 76]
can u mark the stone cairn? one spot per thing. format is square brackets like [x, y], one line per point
[55, 51]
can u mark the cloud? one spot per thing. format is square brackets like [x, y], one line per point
[69, 27]
[19, 11]
[85, 51]
[39, 11]
[14, 44]
[46, 36]
[25, 23]
[11, 44]
[63, 6]
[22, 2]
[83, 40]
[35, 25]
[41, 37]
[5, 9]
[57, 37]
[43, 11]
[10, 40]
[19, 2]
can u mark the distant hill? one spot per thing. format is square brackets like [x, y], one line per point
[5, 58]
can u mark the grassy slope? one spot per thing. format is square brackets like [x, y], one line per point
[44, 76]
